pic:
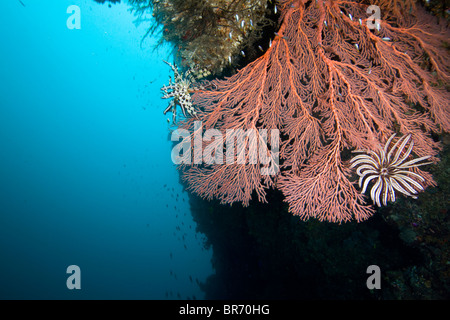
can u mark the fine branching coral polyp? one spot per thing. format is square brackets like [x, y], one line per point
[330, 84]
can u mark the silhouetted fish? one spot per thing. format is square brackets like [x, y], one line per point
[23, 4]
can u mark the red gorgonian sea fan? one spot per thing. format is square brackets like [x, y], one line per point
[333, 80]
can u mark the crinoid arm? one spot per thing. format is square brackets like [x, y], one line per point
[390, 170]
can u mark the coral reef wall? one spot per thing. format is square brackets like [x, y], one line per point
[353, 88]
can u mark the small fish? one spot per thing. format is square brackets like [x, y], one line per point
[23, 4]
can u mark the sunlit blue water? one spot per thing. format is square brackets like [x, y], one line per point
[84, 158]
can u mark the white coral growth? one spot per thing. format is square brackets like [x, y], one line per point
[180, 90]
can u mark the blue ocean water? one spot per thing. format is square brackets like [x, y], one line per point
[86, 176]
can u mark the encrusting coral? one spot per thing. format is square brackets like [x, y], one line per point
[207, 35]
